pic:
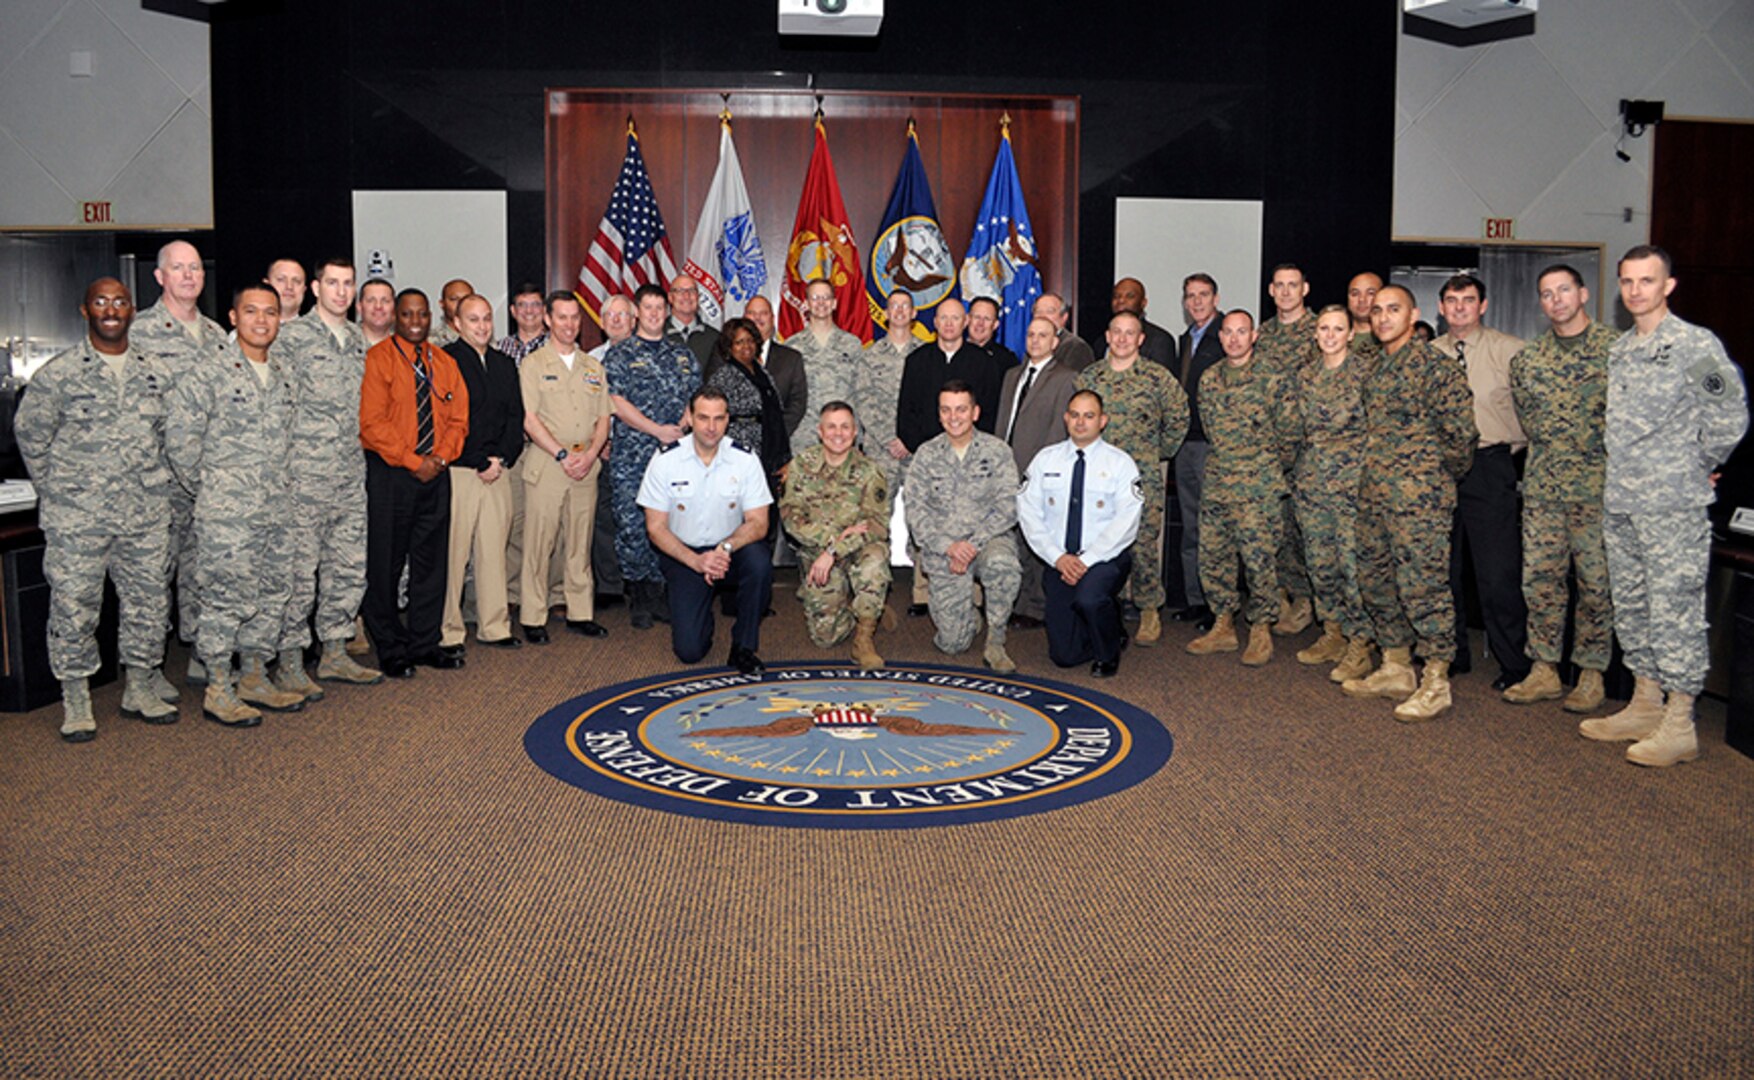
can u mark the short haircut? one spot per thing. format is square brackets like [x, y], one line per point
[528, 288]
[237, 294]
[648, 289]
[706, 393]
[283, 258]
[558, 296]
[1273, 273]
[959, 386]
[989, 301]
[1561, 268]
[1133, 315]
[893, 293]
[837, 406]
[1412, 301]
[618, 299]
[474, 296]
[1244, 312]
[1647, 251]
[164, 251]
[1461, 283]
[339, 262]
[378, 282]
[813, 282]
[1200, 277]
[406, 293]
[1100, 405]
[1055, 297]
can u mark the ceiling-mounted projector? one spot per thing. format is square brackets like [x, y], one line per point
[839, 18]
[1468, 22]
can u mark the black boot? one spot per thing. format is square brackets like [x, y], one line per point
[660, 601]
[639, 604]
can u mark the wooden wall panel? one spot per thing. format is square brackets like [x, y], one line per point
[679, 137]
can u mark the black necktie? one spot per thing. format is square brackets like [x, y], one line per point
[1075, 510]
[1028, 381]
[422, 406]
[1462, 354]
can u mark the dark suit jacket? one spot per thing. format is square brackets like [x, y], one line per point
[496, 407]
[924, 372]
[1159, 345]
[1209, 353]
[1042, 420]
[699, 341]
[785, 366]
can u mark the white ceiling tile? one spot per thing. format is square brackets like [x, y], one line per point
[1402, 120]
[1733, 34]
[177, 45]
[1431, 198]
[170, 182]
[1702, 83]
[1590, 196]
[1424, 69]
[1611, 49]
[33, 199]
[20, 23]
[1707, 11]
[1510, 126]
[203, 99]
[114, 111]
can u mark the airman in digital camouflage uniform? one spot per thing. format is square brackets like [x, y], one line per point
[831, 355]
[1676, 410]
[836, 506]
[324, 357]
[961, 505]
[1147, 417]
[876, 392]
[1247, 411]
[1286, 341]
[1419, 435]
[1559, 383]
[176, 334]
[90, 428]
[229, 438]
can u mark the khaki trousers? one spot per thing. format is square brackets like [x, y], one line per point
[556, 507]
[514, 553]
[481, 517]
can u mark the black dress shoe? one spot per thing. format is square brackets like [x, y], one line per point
[536, 635]
[501, 643]
[1193, 614]
[437, 659]
[587, 627]
[1507, 679]
[451, 650]
[1462, 664]
[745, 661]
[917, 610]
[1102, 670]
[1025, 622]
[399, 669]
[610, 599]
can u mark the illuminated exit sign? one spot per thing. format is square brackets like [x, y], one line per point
[1500, 228]
[96, 213]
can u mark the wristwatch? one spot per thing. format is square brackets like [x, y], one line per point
[560, 455]
[726, 546]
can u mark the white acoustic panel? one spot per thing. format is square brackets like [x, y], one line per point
[432, 237]
[1162, 241]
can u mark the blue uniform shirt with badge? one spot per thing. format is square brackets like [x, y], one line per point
[704, 502]
[1112, 501]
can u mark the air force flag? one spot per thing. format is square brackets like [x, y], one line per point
[910, 252]
[725, 256]
[1001, 256]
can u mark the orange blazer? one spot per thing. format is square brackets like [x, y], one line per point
[387, 423]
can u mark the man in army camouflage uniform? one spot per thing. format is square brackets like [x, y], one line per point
[831, 357]
[1147, 417]
[1676, 410]
[229, 438]
[176, 334]
[90, 428]
[1559, 383]
[324, 357]
[961, 505]
[1419, 439]
[836, 506]
[1286, 341]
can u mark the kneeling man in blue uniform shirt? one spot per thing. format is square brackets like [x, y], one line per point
[706, 504]
[1079, 511]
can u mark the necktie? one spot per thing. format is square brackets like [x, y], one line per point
[1028, 381]
[1075, 510]
[422, 407]
[1462, 354]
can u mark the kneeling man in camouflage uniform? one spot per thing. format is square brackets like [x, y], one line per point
[91, 430]
[836, 508]
[961, 504]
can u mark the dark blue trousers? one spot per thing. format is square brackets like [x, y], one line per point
[691, 600]
[1084, 620]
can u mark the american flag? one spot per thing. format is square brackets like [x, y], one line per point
[844, 716]
[631, 247]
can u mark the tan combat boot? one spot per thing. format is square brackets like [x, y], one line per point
[255, 688]
[337, 666]
[359, 644]
[997, 658]
[1541, 684]
[1588, 695]
[1673, 741]
[290, 677]
[1150, 628]
[1294, 615]
[1355, 664]
[1221, 638]
[887, 622]
[1432, 698]
[77, 723]
[1329, 647]
[141, 703]
[1394, 679]
[1260, 646]
[1638, 719]
[221, 704]
[865, 649]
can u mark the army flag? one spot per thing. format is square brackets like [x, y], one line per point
[725, 257]
[909, 252]
[822, 249]
[1001, 256]
[631, 247]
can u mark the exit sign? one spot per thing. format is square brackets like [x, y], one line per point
[96, 213]
[1500, 228]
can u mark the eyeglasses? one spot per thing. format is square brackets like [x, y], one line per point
[104, 303]
[684, 292]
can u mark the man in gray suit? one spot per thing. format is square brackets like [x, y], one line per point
[1032, 415]
[784, 364]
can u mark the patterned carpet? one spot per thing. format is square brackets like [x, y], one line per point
[386, 885]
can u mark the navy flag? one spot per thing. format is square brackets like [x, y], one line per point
[1001, 256]
[910, 252]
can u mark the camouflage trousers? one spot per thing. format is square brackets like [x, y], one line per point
[1293, 569]
[952, 595]
[1657, 566]
[1403, 563]
[1558, 536]
[179, 567]
[633, 548]
[1145, 586]
[857, 588]
[75, 564]
[324, 559]
[1241, 531]
[244, 588]
[1327, 508]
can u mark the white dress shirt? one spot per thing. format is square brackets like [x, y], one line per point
[1112, 501]
[705, 502]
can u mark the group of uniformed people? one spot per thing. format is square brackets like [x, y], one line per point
[1317, 457]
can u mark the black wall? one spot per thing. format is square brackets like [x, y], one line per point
[1288, 102]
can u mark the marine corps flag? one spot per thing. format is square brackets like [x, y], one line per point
[1001, 256]
[725, 257]
[822, 249]
[909, 252]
